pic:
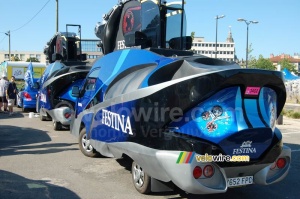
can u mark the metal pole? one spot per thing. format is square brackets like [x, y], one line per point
[8, 34]
[216, 48]
[247, 45]
[181, 28]
[9, 45]
[216, 36]
[248, 23]
[56, 15]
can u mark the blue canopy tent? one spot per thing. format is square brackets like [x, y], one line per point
[289, 76]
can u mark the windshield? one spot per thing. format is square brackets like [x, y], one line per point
[173, 17]
[151, 22]
[50, 70]
[55, 67]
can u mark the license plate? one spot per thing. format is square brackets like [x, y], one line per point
[239, 181]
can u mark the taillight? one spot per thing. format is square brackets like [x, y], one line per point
[197, 172]
[280, 163]
[26, 95]
[67, 115]
[208, 171]
[49, 91]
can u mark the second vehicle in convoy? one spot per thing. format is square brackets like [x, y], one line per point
[67, 68]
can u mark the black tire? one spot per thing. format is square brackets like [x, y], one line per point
[42, 118]
[85, 147]
[57, 125]
[140, 179]
[24, 109]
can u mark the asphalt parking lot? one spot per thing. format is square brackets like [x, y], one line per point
[38, 162]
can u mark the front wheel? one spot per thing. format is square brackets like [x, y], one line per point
[140, 179]
[84, 144]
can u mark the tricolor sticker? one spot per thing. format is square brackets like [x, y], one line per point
[185, 158]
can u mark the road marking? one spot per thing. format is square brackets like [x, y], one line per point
[289, 133]
[35, 186]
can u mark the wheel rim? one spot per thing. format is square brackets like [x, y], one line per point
[86, 144]
[138, 176]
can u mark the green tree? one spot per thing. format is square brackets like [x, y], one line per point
[285, 63]
[15, 58]
[193, 36]
[252, 62]
[263, 63]
[251, 59]
[32, 59]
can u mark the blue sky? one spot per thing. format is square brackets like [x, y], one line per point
[278, 30]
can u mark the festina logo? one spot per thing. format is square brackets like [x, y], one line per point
[116, 121]
[245, 148]
[246, 144]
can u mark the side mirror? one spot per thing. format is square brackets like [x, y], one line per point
[135, 39]
[75, 91]
[174, 43]
[82, 57]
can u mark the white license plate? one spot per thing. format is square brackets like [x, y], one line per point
[239, 181]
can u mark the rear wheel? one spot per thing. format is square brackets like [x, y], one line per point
[42, 118]
[24, 109]
[84, 144]
[57, 125]
[140, 179]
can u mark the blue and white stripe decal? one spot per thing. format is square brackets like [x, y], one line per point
[252, 113]
[262, 107]
[241, 124]
[119, 64]
[268, 106]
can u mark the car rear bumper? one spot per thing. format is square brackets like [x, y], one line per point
[59, 115]
[166, 166]
[29, 104]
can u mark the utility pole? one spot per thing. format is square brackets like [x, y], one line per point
[56, 15]
[8, 34]
[247, 23]
[217, 18]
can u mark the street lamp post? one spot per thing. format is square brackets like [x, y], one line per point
[217, 17]
[8, 34]
[248, 23]
[56, 16]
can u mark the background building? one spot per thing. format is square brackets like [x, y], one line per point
[225, 50]
[89, 47]
[295, 60]
[22, 55]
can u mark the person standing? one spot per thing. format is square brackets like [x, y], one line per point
[3, 87]
[11, 94]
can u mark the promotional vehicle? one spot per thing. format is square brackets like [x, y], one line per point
[66, 69]
[26, 97]
[19, 68]
[199, 123]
